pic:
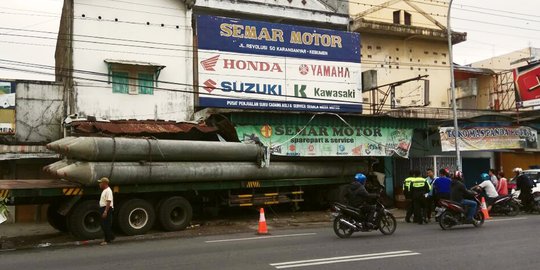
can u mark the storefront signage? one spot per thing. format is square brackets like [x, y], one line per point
[527, 81]
[258, 65]
[7, 108]
[488, 138]
[317, 141]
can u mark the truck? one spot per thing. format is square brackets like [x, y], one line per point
[184, 184]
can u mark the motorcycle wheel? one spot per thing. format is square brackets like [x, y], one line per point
[341, 230]
[479, 219]
[387, 224]
[444, 221]
[514, 209]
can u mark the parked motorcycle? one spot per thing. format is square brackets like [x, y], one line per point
[506, 205]
[348, 220]
[451, 214]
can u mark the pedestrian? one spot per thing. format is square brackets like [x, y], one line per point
[106, 208]
[419, 189]
[430, 204]
[493, 177]
[407, 192]
[525, 185]
[502, 187]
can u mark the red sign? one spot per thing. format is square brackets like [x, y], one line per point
[527, 80]
[210, 64]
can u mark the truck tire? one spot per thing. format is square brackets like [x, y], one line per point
[174, 213]
[136, 216]
[84, 220]
[56, 220]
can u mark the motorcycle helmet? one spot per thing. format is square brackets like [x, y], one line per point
[485, 176]
[518, 170]
[458, 174]
[360, 178]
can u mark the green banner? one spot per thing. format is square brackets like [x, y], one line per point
[329, 141]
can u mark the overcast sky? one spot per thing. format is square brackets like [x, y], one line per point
[494, 27]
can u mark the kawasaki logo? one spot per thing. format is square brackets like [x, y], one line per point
[210, 63]
[209, 85]
[300, 90]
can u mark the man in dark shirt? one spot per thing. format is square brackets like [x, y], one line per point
[460, 194]
[524, 184]
[359, 197]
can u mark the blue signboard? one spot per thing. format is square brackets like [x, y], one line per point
[278, 105]
[263, 38]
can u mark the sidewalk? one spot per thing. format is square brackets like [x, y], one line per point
[31, 235]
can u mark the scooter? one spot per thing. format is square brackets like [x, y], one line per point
[505, 205]
[452, 214]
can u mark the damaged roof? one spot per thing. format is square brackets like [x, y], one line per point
[137, 127]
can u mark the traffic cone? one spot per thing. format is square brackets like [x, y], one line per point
[263, 229]
[484, 209]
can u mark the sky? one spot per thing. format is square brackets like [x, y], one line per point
[493, 27]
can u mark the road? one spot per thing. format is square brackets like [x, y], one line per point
[494, 246]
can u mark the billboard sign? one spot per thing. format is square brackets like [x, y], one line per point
[488, 138]
[527, 81]
[7, 108]
[317, 141]
[258, 65]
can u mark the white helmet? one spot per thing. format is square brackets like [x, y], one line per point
[518, 170]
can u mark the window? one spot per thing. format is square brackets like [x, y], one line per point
[407, 18]
[397, 17]
[146, 83]
[120, 82]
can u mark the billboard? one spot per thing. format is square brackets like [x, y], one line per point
[488, 138]
[527, 81]
[258, 65]
[7, 108]
[331, 140]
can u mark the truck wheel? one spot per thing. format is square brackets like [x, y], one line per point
[84, 220]
[174, 213]
[56, 220]
[136, 216]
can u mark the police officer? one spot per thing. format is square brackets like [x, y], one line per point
[407, 192]
[419, 187]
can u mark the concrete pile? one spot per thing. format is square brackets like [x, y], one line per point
[146, 161]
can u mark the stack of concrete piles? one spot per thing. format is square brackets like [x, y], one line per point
[147, 161]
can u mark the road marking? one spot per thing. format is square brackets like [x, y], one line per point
[506, 219]
[260, 237]
[352, 258]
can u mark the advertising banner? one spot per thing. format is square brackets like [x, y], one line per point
[488, 138]
[259, 65]
[527, 81]
[305, 141]
[7, 108]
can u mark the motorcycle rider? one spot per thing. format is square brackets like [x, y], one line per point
[460, 194]
[489, 188]
[360, 198]
[524, 185]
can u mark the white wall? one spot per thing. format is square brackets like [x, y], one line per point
[175, 52]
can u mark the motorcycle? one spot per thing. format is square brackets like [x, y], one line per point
[451, 214]
[506, 205]
[348, 220]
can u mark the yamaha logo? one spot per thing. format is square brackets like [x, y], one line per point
[304, 69]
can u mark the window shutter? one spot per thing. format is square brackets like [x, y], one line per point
[120, 81]
[146, 83]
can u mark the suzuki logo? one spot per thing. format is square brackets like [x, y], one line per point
[300, 90]
[209, 85]
[210, 63]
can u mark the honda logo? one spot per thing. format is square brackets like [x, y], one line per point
[210, 63]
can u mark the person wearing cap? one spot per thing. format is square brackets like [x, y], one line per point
[106, 208]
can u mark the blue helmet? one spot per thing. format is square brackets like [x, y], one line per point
[485, 176]
[360, 178]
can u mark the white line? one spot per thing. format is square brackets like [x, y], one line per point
[260, 237]
[343, 257]
[506, 219]
[347, 260]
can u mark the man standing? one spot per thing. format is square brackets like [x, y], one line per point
[493, 177]
[525, 185]
[430, 205]
[419, 189]
[106, 208]
[407, 186]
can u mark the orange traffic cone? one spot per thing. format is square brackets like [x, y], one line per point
[262, 224]
[484, 209]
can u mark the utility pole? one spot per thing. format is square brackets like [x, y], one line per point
[452, 87]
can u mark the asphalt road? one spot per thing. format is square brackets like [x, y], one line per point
[502, 243]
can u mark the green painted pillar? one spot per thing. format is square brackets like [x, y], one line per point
[389, 176]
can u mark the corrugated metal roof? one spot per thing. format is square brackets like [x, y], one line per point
[136, 127]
